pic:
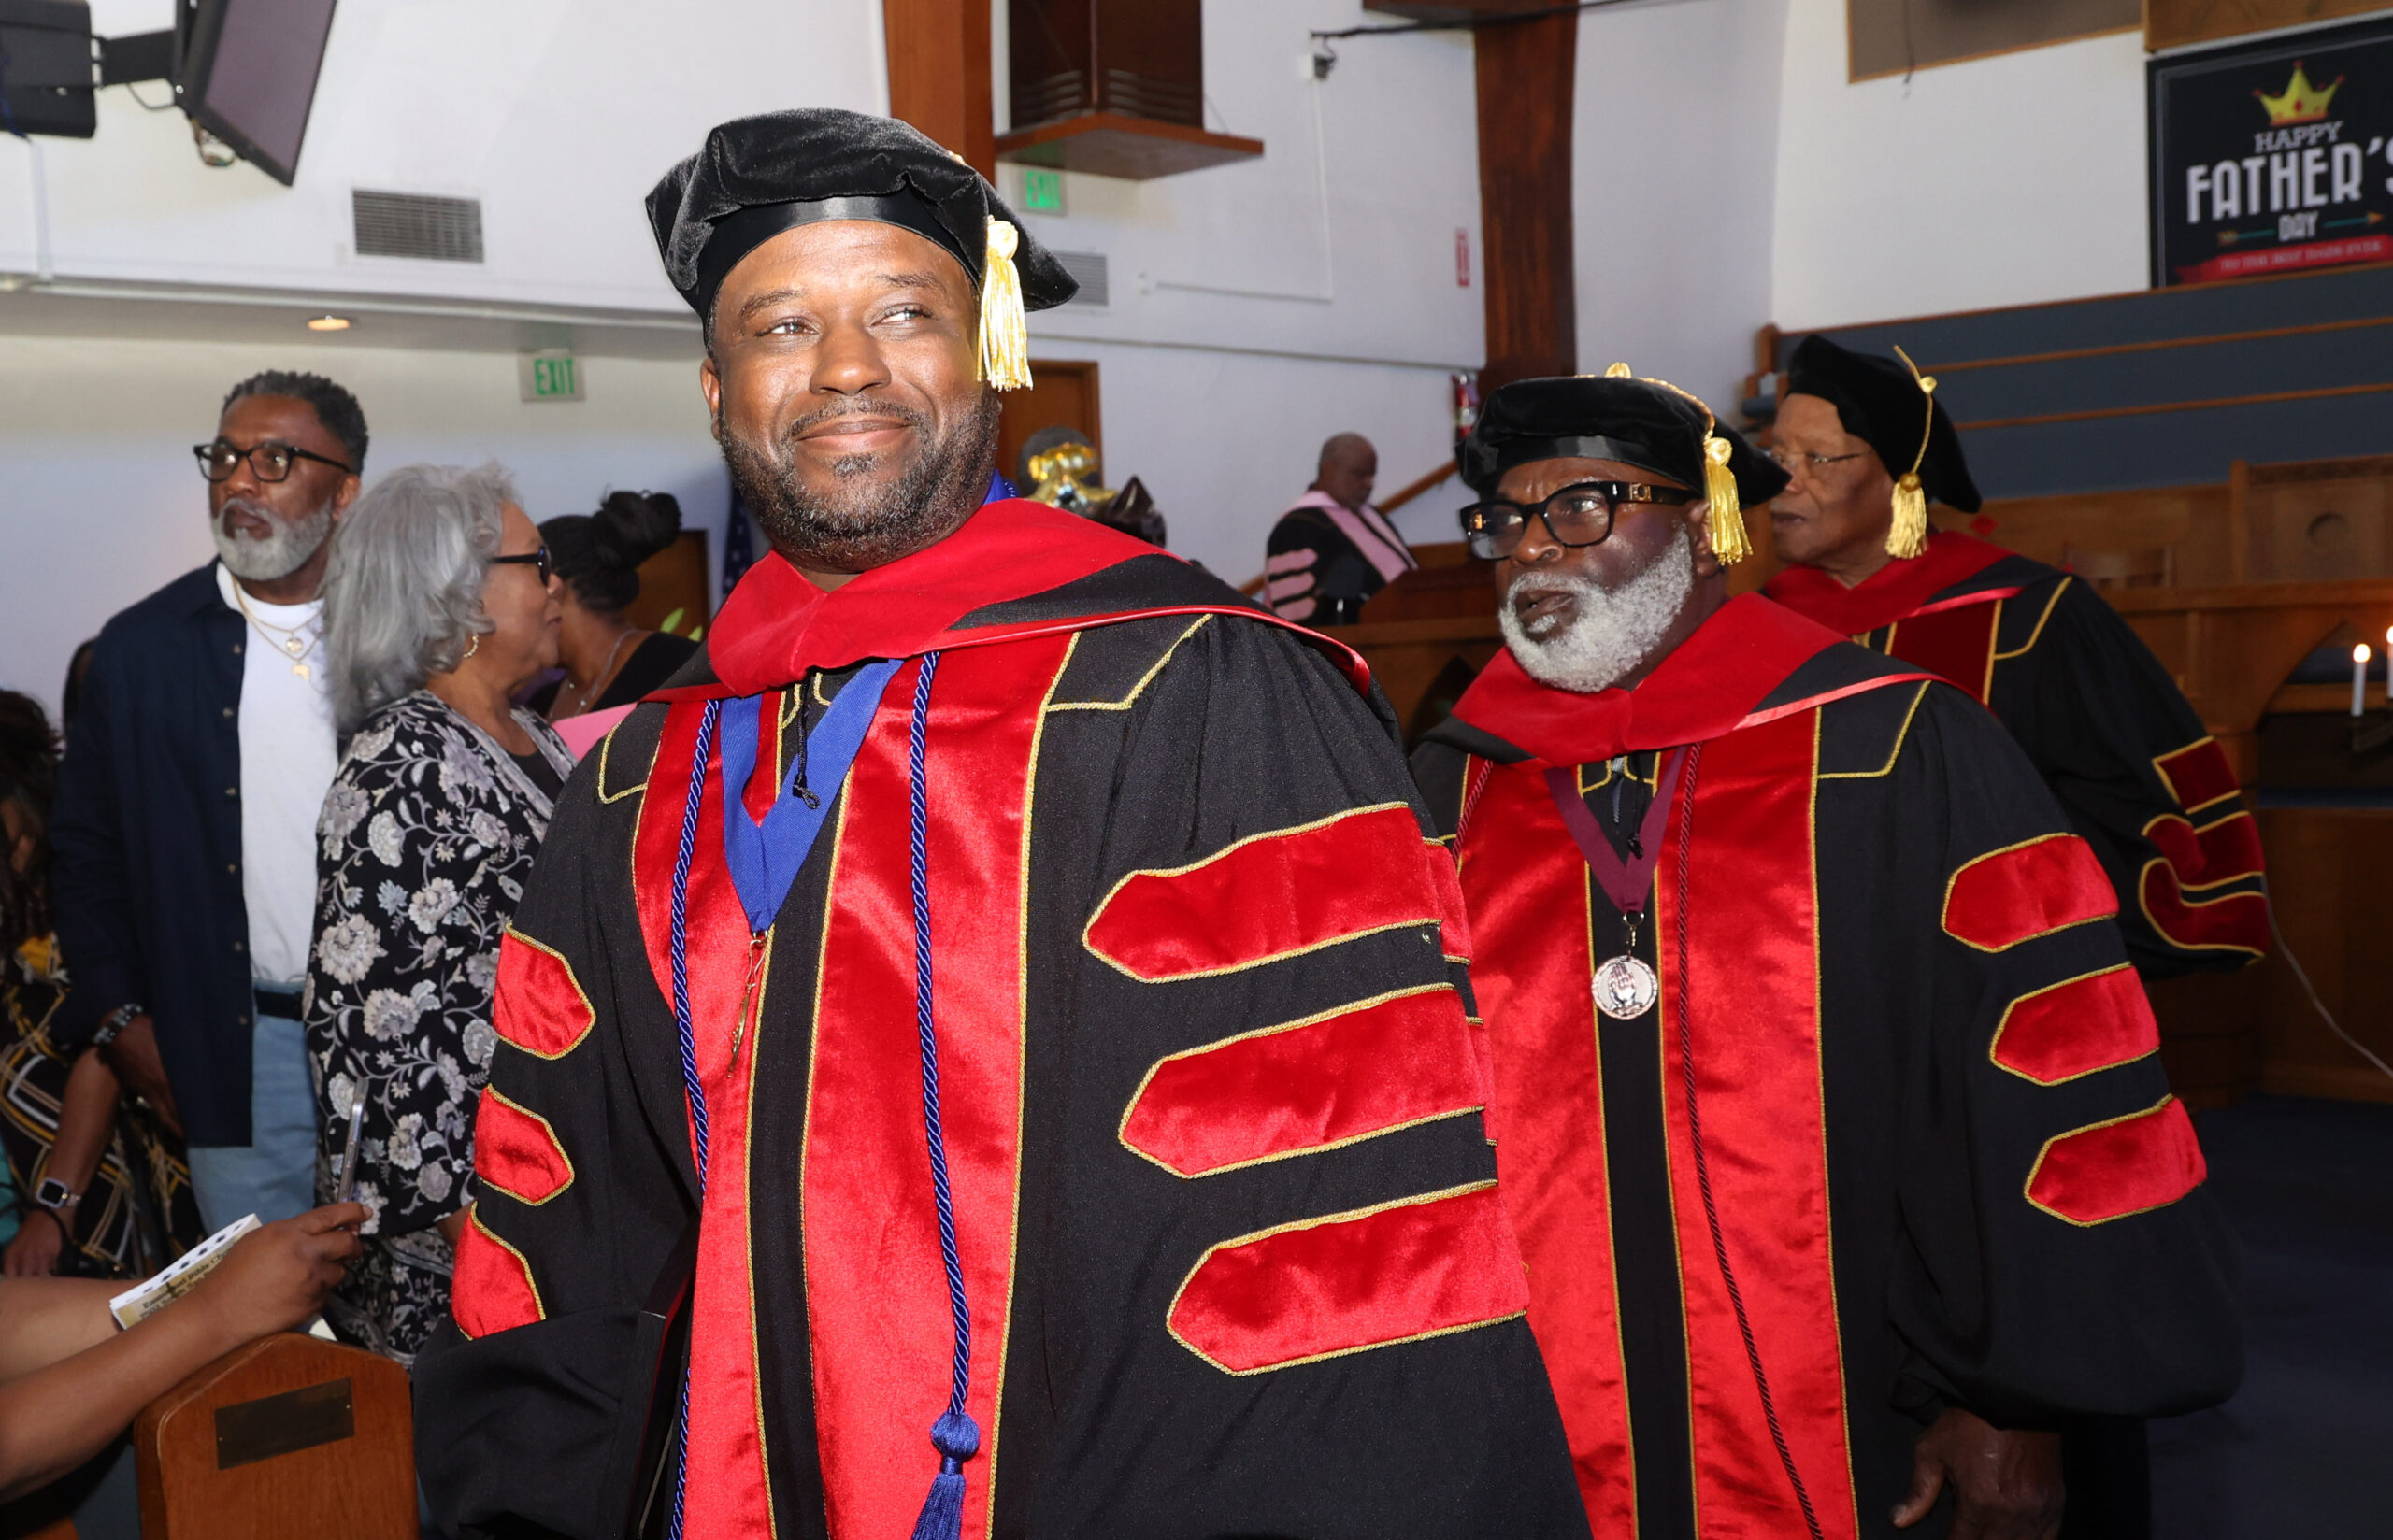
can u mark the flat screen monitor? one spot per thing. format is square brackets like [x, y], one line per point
[248, 74]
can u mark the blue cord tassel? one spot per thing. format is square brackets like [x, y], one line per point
[957, 1438]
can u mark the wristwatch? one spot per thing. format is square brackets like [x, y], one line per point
[118, 1020]
[56, 1195]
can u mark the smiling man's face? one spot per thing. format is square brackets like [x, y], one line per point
[843, 379]
[1590, 618]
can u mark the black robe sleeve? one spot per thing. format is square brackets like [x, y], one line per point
[2058, 1255]
[2138, 776]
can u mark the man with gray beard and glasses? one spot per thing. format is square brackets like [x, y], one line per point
[184, 834]
[1827, 1106]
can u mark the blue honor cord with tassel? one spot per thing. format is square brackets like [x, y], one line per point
[954, 1436]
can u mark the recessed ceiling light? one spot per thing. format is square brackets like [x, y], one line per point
[328, 323]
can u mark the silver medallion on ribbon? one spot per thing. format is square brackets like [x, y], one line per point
[1625, 987]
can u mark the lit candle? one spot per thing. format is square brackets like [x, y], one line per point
[2388, 665]
[2359, 679]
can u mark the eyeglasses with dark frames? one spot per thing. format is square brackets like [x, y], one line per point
[268, 461]
[1791, 464]
[1579, 514]
[539, 561]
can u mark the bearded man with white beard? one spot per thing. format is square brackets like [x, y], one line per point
[1825, 1103]
[184, 830]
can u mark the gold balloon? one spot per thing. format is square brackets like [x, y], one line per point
[1065, 476]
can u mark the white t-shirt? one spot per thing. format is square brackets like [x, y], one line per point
[287, 756]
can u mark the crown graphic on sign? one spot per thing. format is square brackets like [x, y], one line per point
[2302, 103]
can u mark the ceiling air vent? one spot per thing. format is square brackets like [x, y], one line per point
[414, 224]
[1088, 268]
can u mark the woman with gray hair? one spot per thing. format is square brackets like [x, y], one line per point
[439, 607]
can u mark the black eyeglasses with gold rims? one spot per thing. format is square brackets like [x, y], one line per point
[268, 461]
[1579, 514]
[538, 560]
[1792, 462]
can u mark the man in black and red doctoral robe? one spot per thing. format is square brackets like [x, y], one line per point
[1868, 446]
[1825, 1103]
[1015, 968]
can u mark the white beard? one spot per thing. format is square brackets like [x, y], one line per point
[1613, 630]
[262, 558]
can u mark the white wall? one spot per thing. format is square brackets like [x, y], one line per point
[2009, 181]
[1673, 164]
[558, 114]
[100, 502]
[1346, 318]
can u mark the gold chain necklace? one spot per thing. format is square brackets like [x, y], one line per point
[298, 641]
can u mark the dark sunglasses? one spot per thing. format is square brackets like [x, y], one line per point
[268, 462]
[1578, 515]
[538, 560]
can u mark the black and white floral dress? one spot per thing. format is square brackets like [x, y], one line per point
[426, 840]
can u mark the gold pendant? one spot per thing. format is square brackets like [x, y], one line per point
[293, 646]
[301, 669]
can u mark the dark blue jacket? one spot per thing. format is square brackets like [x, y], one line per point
[146, 844]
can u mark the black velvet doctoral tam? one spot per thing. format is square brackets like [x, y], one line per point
[1878, 400]
[757, 177]
[1594, 416]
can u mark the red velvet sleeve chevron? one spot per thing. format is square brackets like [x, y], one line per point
[516, 1152]
[2214, 843]
[492, 1289]
[540, 1008]
[2076, 1027]
[1270, 896]
[2025, 891]
[1418, 1267]
[1369, 1068]
[2125, 1165]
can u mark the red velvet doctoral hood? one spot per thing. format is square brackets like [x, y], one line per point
[777, 625]
[1711, 684]
[1896, 591]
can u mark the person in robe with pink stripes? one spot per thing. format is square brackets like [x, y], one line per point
[1333, 550]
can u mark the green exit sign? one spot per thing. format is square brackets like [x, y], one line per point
[550, 376]
[1042, 190]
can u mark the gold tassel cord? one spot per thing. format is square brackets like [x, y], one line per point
[1907, 537]
[1729, 542]
[1005, 331]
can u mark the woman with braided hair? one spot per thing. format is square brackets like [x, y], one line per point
[607, 660]
[99, 1185]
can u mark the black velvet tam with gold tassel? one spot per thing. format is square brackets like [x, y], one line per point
[757, 177]
[1649, 423]
[1880, 401]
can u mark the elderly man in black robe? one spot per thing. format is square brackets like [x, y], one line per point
[1828, 1107]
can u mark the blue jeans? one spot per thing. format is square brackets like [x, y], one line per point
[274, 1174]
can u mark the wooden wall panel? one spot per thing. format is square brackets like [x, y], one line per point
[2173, 23]
[939, 73]
[2327, 871]
[1526, 74]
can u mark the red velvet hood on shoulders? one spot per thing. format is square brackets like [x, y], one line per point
[1896, 591]
[777, 625]
[1712, 683]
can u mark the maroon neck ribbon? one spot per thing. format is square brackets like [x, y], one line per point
[1625, 882]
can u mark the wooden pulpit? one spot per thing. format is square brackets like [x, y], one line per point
[289, 1438]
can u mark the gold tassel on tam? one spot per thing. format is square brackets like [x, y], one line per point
[1005, 334]
[1908, 535]
[1729, 540]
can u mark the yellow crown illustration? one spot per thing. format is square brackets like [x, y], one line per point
[2302, 102]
